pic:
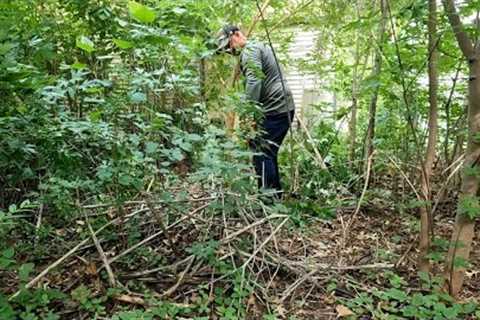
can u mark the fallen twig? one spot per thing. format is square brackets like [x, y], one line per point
[153, 236]
[38, 224]
[170, 291]
[45, 271]
[111, 276]
[259, 222]
[359, 204]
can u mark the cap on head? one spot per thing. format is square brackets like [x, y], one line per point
[223, 38]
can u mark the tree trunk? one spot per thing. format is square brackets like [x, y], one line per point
[461, 241]
[202, 70]
[447, 116]
[352, 126]
[376, 73]
[426, 221]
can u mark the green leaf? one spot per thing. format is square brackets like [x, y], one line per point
[417, 300]
[460, 262]
[193, 137]
[141, 12]
[397, 294]
[8, 253]
[452, 313]
[85, 44]
[435, 256]
[469, 308]
[12, 208]
[78, 65]
[24, 271]
[81, 294]
[469, 206]
[5, 47]
[6, 309]
[125, 180]
[123, 44]
[151, 147]
[105, 173]
[137, 97]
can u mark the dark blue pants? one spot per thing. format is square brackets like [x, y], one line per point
[273, 130]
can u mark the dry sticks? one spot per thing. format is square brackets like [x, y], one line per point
[60, 260]
[258, 248]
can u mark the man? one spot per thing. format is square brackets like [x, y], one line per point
[266, 87]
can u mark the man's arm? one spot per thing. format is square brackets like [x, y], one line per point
[252, 68]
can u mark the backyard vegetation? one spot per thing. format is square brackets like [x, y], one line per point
[126, 184]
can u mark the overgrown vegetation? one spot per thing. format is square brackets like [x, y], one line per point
[126, 190]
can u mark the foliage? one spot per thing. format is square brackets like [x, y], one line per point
[400, 302]
[108, 101]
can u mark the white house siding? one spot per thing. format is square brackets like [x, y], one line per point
[306, 87]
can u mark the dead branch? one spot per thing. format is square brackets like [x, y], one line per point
[111, 276]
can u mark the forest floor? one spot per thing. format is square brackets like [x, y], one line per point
[378, 236]
[309, 272]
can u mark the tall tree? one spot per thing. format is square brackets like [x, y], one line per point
[425, 215]
[352, 126]
[375, 75]
[468, 207]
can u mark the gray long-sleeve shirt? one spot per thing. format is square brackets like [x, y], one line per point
[263, 85]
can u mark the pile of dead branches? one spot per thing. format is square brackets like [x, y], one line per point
[252, 238]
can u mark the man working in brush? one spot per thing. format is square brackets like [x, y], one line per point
[266, 87]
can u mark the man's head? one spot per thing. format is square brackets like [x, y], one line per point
[230, 40]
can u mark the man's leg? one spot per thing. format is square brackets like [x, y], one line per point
[276, 128]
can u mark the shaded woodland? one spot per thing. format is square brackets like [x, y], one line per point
[126, 184]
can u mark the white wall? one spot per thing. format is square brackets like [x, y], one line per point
[305, 86]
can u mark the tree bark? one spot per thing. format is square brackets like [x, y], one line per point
[376, 73]
[447, 115]
[202, 69]
[426, 221]
[461, 241]
[352, 126]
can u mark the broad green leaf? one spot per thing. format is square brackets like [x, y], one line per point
[81, 294]
[6, 309]
[397, 294]
[194, 137]
[123, 44]
[125, 180]
[137, 97]
[151, 147]
[141, 12]
[451, 313]
[469, 206]
[85, 44]
[78, 65]
[460, 262]
[24, 271]
[8, 253]
[5, 47]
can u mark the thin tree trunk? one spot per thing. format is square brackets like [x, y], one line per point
[461, 241]
[202, 69]
[376, 73]
[447, 115]
[426, 225]
[352, 126]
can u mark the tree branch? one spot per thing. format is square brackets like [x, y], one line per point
[464, 41]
